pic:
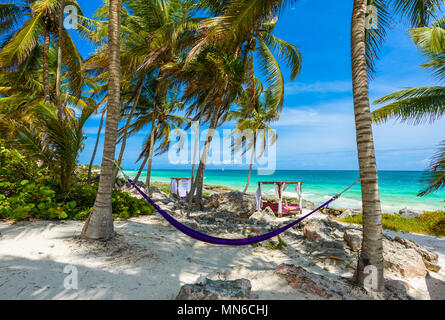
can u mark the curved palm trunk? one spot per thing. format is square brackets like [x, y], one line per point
[154, 132]
[46, 65]
[127, 125]
[199, 182]
[372, 247]
[59, 62]
[100, 223]
[97, 143]
[195, 150]
[141, 168]
[251, 163]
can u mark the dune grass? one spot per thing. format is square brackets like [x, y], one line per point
[430, 222]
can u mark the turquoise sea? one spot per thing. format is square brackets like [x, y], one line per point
[398, 189]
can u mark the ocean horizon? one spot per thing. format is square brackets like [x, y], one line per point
[398, 189]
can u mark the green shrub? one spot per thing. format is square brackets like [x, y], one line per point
[430, 222]
[29, 192]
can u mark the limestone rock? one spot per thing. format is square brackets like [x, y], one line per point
[264, 216]
[401, 288]
[315, 284]
[332, 244]
[432, 266]
[407, 213]
[208, 289]
[348, 213]
[403, 261]
[240, 204]
[354, 239]
[312, 232]
[329, 253]
[425, 253]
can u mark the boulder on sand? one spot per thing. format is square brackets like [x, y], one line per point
[348, 213]
[407, 213]
[354, 239]
[429, 258]
[263, 216]
[315, 284]
[240, 204]
[403, 261]
[207, 289]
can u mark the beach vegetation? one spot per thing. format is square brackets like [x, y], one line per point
[419, 105]
[430, 222]
[29, 191]
[255, 113]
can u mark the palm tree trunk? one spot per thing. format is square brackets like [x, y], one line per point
[127, 124]
[97, 143]
[46, 64]
[199, 182]
[372, 247]
[150, 155]
[141, 168]
[251, 163]
[195, 150]
[59, 62]
[100, 223]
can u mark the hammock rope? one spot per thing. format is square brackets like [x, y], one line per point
[224, 241]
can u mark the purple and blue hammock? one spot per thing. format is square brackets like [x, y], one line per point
[223, 241]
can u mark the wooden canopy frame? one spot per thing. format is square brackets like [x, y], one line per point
[280, 183]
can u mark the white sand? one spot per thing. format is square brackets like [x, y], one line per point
[149, 259]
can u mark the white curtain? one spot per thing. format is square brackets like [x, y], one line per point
[300, 195]
[173, 186]
[184, 187]
[279, 195]
[258, 197]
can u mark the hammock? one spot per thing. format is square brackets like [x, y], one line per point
[223, 241]
[214, 240]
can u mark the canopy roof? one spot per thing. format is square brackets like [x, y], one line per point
[279, 182]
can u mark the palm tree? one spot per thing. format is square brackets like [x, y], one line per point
[23, 22]
[422, 104]
[160, 112]
[244, 29]
[364, 48]
[99, 130]
[60, 144]
[255, 118]
[59, 59]
[100, 223]
[152, 36]
[213, 81]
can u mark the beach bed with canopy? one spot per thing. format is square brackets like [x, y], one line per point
[180, 186]
[279, 208]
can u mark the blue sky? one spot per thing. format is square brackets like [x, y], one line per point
[316, 129]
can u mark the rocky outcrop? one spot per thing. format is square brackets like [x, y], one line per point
[429, 258]
[354, 239]
[299, 278]
[400, 288]
[407, 213]
[207, 289]
[318, 285]
[240, 204]
[312, 232]
[403, 261]
[340, 212]
[348, 213]
[264, 216]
